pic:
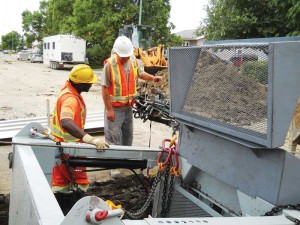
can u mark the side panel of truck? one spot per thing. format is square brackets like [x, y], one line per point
[76, 45]
[60, 50]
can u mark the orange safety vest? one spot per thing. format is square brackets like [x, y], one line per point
[60, 176]
[123, 88]
[80, 114]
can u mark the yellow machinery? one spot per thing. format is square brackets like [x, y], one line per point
[141, 37]
[294, 130]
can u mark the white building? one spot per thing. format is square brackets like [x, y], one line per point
[190, 38]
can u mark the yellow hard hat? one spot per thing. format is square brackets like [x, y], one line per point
[82, 73]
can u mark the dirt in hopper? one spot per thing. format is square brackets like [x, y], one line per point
[144, 88]
[218, 91]
[128, 191]
[4, 209]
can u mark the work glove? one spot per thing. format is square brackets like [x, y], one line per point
[100, 145]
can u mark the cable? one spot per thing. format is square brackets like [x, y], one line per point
[140, 180]
[93, 170]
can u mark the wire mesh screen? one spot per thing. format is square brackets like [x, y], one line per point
[228, 87]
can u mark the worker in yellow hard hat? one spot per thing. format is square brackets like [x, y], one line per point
[68, 126]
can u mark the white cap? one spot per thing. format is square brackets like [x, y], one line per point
[123, 46]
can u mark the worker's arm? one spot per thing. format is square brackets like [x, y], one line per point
[67, 123]
[72, 128]
[110, 114]
[148, 77]
[142, 74]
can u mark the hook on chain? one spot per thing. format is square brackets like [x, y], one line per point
[171, 156]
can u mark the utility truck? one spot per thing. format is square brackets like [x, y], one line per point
[60, 51]
[230, 166]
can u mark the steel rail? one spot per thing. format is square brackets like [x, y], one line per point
[74, 146]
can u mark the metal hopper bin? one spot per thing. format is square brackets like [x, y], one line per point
[247, 90]
[235, 101]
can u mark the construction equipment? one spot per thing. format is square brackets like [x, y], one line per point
[229, 166]
[141, 37]
[156, 110]
[294, 131]
[154, 61]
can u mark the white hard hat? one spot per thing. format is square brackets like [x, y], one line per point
[123, 46]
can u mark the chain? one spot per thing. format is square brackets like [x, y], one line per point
[296, 221]
[164, 196]
[66, 162]
[184, 185]
[166, 170]
[279, 208]
[171, 188]
[140, 213]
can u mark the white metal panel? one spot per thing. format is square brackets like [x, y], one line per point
[77, 215]
[75, 46]
[30, 195]
[267, 220]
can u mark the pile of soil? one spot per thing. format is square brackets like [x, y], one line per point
[128, 191]
[144, 88]
[218, 91]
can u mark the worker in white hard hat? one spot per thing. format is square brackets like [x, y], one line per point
[119, 79]
[68, 126]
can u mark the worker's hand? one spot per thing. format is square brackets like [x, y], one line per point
[100, 145]
[110, 115]
[157, 79]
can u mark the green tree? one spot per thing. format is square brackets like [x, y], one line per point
[11, 40]
[99, 21]
[288, 12]
[46, 13]
[236, 19]
[32, 24]
[61, 16]
[56, 17]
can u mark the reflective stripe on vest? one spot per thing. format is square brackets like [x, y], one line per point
[56, 128]
[123, 88]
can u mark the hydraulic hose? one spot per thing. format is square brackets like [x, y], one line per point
[108, 163]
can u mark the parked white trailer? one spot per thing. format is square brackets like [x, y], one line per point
[61, 51]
